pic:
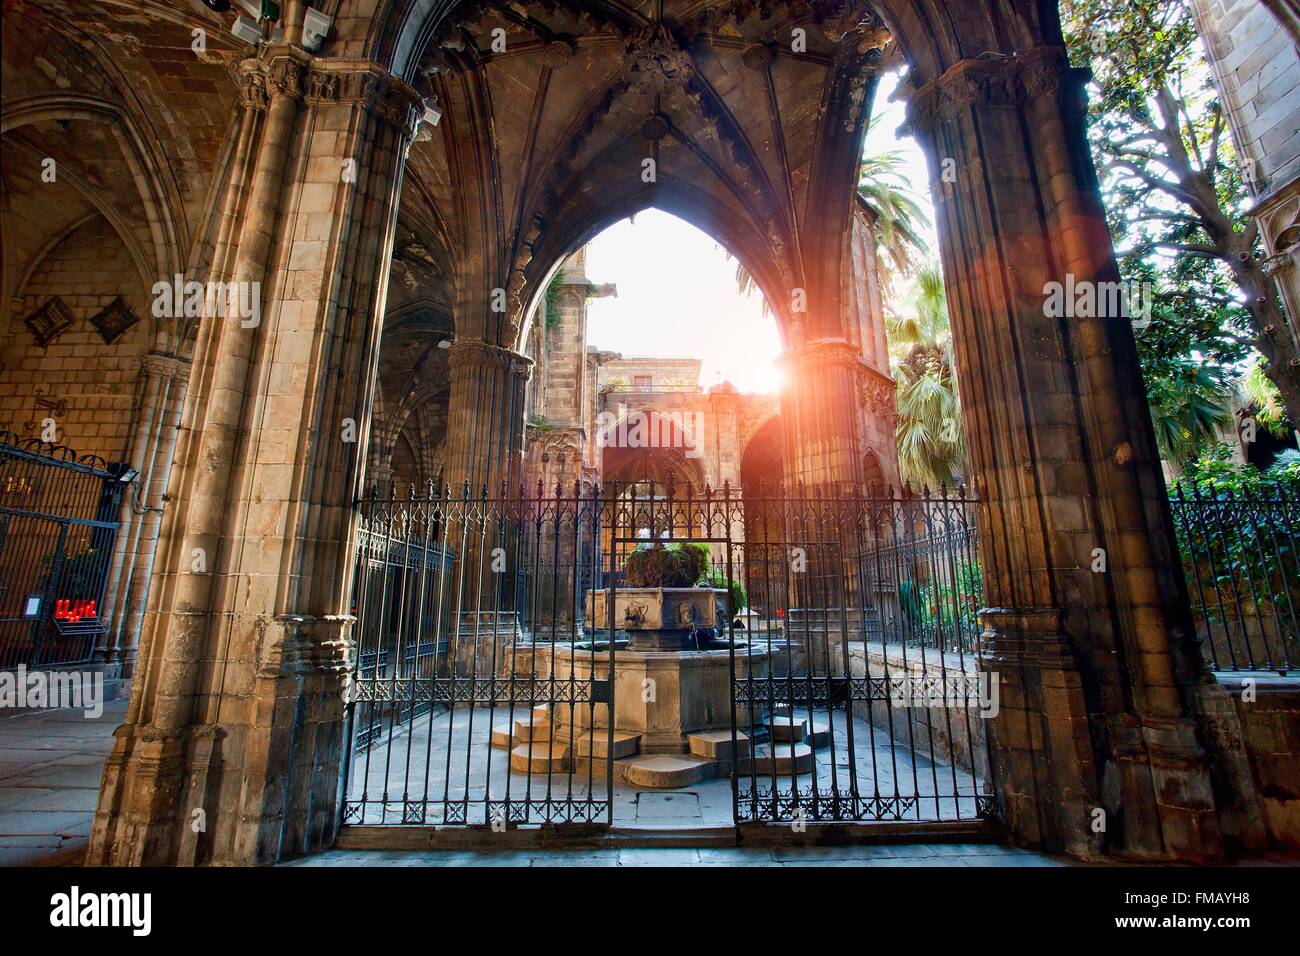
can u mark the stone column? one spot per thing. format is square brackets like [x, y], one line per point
[822, 425]
[233, 741]
[820, 415]
[485, 417]
[144, 429]
[1097, 670]
[165, 379]
[1279, 219]
[485, 437]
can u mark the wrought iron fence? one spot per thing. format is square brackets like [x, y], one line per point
[1242, 565]
[495, 640]
[58, 524]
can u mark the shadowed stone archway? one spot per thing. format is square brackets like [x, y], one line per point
[1104, 698]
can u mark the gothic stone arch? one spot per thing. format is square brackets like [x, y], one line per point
[1103, 692]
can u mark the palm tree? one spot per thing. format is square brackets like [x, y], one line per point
[1259, 392]
[929, 435]
[1191, 405]
[896, 215]
[897, 220]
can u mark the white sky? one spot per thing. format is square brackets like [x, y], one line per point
[677, 291]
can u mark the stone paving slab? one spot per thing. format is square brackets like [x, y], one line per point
[411, 760]
[50, 768]
[910, 855]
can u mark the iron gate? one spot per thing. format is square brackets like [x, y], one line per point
[856, 686]
[58, 525]
[475, 690]
[488, 655]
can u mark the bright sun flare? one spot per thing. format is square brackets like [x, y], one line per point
[677, 298]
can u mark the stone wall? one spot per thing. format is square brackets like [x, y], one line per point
[1270, 727]
[86, 271]
[1253, 60]
[950, 735]
[662, 372]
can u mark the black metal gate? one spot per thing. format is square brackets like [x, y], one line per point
[492, 632]
[475, 691]
[58, 525]
[857, 691]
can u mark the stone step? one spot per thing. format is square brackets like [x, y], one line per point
[533, 729]
[819, 736]
[716, 744]
[544, 758]
[663, 771]
[788, 729]
[595, 743]
[784, 763]
[538, 728]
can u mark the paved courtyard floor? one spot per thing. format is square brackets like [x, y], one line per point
[50, 767]
[50, 764]
[889, 855]
[434, 768]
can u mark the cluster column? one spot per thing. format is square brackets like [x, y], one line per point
[163, 383]
[232, 746]
[1088, 632]
[485, 418]
[821, 415]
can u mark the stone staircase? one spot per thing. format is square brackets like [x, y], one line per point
[788, 744]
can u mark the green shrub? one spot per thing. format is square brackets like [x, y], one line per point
[739, 598]
[1235, 538]
[663, 567]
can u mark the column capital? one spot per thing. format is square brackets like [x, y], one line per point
[1004, 81]
[316, 81]
[471, 353]
[820, 352]
[251, 78]
[366, 83]
[165, 366]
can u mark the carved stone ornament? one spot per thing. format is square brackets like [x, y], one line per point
[558, 53]
[113, 321]
[657, 63]
[251, 81]
[1276, 265]
[471, 352]
[758, 57]
[876, 396]
[995, 81]
[49, 321]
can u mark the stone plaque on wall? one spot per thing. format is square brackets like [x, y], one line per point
[47, 322]
[114, 320]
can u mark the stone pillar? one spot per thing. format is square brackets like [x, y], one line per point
[236, 715]
[1098, 671]
[165, 379]
[485, 417]
[1279, 219]
[822, 424]
[143, 429]
[820, 415]
[485, 435]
